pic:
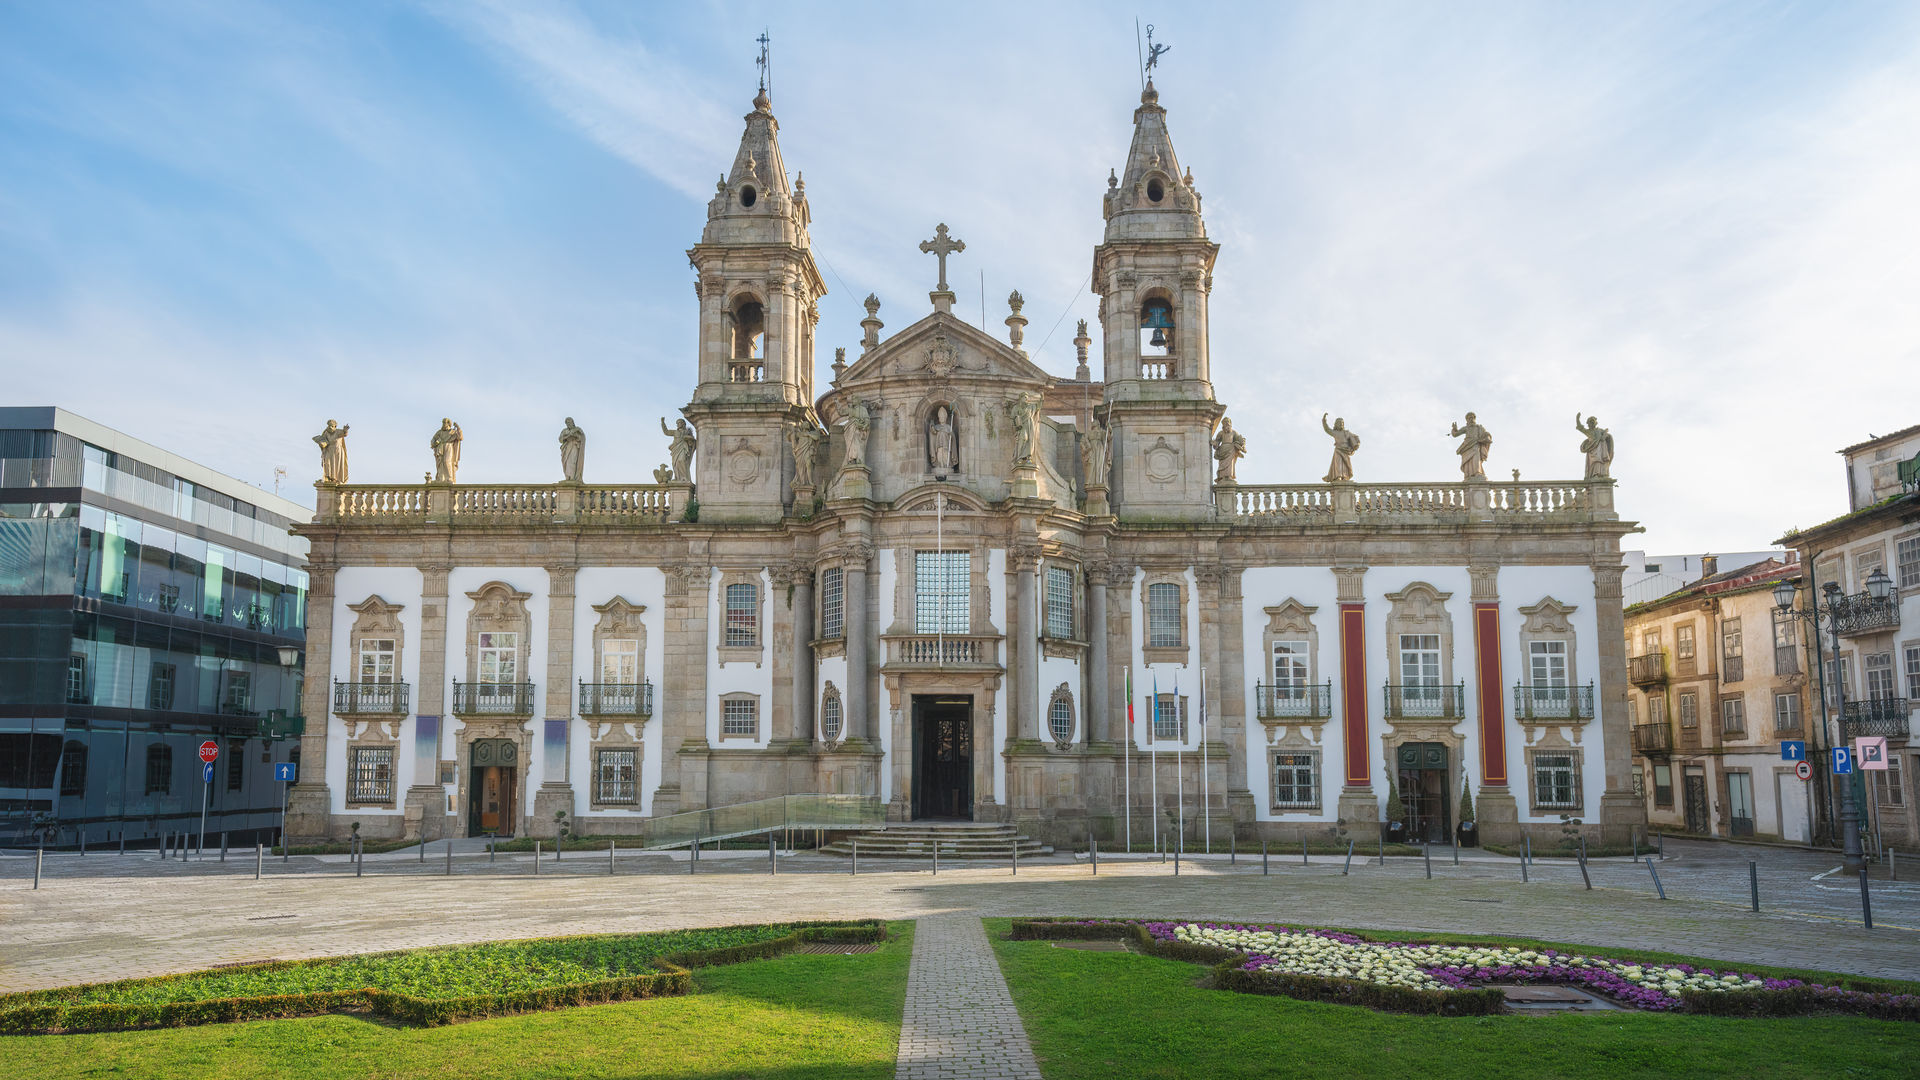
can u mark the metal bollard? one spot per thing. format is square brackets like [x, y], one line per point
[223, 848]
[536, 858]
[423, 850]
[1893, 873]
[1093, 851]
[773, 855]
[1657, 887]
[610, 843]
[1583, 865]
[1523, 872]
[1662, 838]
[1753, 882]
[855, 868]
[449, 873]
[1016, 856]
[1233, 851]
[1456, 849]
[1263, 858]
[936, 856]
[1176, 862]
[1348, 868]
[1163, 849]
[1303, 849]
[1426, 853]
[693, 855]
[259, 857]
[1866, 903]
[492, 843]
[1383, 849]
[359, 865]
[40, 853]
[83, 841]
[1529, 855]
[123, 841]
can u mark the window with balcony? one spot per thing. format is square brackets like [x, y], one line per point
[620, 661]
[1290, 678]
[1879, 672]
[616, 777]
[942, 592]
[1296, 781]
[833, 603]
[1059, 602]
[743, 616]
[377, 660]
[499, 657]
[1907, 562]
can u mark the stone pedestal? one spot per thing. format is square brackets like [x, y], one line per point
[679, 494]
[308, 808]
[1496, 815]
[1226, 499]
[426, 812]
[1620, 815]
[1026, 480]
[854, 482]
[547, 799]
[1346, 503]
[1097, 504]
[803, 496]
[1360, 810]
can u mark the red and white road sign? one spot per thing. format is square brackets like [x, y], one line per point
[209, 751]
[1803, 770]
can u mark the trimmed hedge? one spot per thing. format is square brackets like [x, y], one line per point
[53, 1011]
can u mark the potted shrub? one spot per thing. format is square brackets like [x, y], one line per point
[1395, 827]
[1468, 832]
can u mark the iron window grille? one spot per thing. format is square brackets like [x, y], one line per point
[615, 777]
[1556, 782]
[1059, 603]
[832, 714]
[1060, 719]
[1296, 781]
[1169, 718]
[370, 779]
[740, 718]
[1163, 616]
[236, 763]
[160, 770]
[833, 603]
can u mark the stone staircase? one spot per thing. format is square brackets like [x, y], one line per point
[957, 839]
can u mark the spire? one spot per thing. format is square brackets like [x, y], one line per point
[754, 201]
[1151, 197]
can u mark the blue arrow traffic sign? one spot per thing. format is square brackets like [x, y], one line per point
[206, 773]
[283, 770]
[1842, 760]
[1793, 750]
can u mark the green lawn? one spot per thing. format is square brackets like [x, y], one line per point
[1102, 1015]
[798, 1017]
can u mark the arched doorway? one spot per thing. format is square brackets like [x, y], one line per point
[490, 787]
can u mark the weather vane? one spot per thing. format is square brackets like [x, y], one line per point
[764, 61]
[1154, 52]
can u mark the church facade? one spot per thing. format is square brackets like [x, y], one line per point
[967, 588]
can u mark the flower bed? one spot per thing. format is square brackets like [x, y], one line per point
[1330, 965]
[421, 986]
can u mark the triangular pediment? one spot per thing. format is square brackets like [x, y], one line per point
[941, 349]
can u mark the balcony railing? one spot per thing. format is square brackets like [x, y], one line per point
[1888, 716]
[1553, 702]
[352, 698]
[1647, 668]
[741, 371]
[943, 651]
[1293, 702]
[1435, 503]
[1158, 369]
[532, 504]
[616, 699]
[1860, 613]
[1652, 739]
[493, 699]
[1405, 700]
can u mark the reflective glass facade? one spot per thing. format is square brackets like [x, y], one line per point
[141, 614]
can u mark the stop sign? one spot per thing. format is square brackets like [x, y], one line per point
[209, 751]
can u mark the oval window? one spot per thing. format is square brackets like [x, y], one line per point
[1155, 190]
[748, 196]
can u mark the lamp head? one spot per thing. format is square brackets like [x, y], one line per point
[289, 655]
[1879, 585]
[1783, 592]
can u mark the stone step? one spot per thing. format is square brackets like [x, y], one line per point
[957, 840]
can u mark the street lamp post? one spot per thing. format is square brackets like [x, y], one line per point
[1879, 588]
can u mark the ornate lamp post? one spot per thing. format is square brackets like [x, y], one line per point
[1879, 587]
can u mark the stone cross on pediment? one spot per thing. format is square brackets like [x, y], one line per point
[942, 245]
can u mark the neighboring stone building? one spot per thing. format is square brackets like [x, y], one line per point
[1878, 670]
[1650, 577]
[930, 584]
[1719, 678]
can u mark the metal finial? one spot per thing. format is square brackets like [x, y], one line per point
[1154, 52]
[765, 63]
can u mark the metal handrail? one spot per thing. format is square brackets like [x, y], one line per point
[1532, 702]
[352, 698]
[497, 699]
[616, 699]
[763, 815]
[1298, 700]
[1408, 699]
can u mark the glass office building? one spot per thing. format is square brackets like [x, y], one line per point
[147, 605]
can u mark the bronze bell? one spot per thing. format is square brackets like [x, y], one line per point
[1159, 340]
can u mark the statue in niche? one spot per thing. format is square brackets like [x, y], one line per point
[446, 451]
[1344, 444]
[1475, 442]
[1229, 446]
[859, 423]
[803, 439]
[943, 443]
[1026, 427]
[333, 453]
[681, 449]
[1598, 446]
[1096, 446]
[573, 452]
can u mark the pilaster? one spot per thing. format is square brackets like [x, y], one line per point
[556, 790]
[310, 803]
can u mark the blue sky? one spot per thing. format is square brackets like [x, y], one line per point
[221, 224]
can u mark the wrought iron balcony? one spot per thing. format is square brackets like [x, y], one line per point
[1888, 716]
[356, 698]
[616, 699]
[1299, 701]
[1860, 613]
[1552, 702]
[493, 699]
[1648, 669]
[1409, 701]
[1652, 739]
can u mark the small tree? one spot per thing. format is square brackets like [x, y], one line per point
[1396, 810]
[561, 830]
[1466, 804]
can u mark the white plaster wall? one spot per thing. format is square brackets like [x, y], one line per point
[740, 676]
[997, 616]
[1378, 582]
[886, 573]
[527, 579]
[352, 585]
[1185, 677]
[642, 586]
[1314, 587]
[1525, 586]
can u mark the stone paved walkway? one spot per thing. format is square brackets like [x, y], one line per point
[960, 1023]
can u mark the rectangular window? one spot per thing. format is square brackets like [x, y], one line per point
[73, 768]
[236, 763]
[160, 769]
[377, 660]
[1786, 652]
[1296, 781]
[1657, 710]
[499, 657]
[943, 587]
[1556, 782]
[1734, 667]
[1633, 711]
[620, 661]
[1060, 602]
[616, 777]
[1289, 669]
[238, 698]
[1640, 782]
[1689, 709]
[1913, 672]
[1650, 640]
[1170, 718]
[743, 616]
[1548, 663]
[1892, 792]
[160, 678]
[833, 603]
[1839, 681]
[370, 775]
[1907, 561]
[740, 718]
[1682, 642]
[1879, 667]
[1733, 716]
[77, 679]
[1786, 713]
[1864, 564]
[1420, 659]
[1663, 787]
[1164, 620]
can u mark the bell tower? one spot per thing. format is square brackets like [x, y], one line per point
[759, 292]
[1153, 272]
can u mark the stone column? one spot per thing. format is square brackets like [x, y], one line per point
[1494, 805]
[1358, 806]
[310, 803]
[1620, 811]
[1025, 698]
[555, 792]
[803, 628]
[1225, 690]
[859, 719]
[1099, 719]
[430, 701]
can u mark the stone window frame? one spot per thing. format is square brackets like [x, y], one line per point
[376, 619]
[1684, 699]
[1420, 608]
[499, 608]
[758, 717]
[597, 796]
[831, 694]
[1908, 543]
[1540, 806]
[1550, 620]
[1180, 707]
[1062, 695]
[1074, 577]
[1685, 636]
[1654, 785]
[620, 620]
[1863, 560]
[905, 584]
[838, 574]
[1165, 654]
[1316, 763]
[739, 654]
[1739, 700]
[356, 795]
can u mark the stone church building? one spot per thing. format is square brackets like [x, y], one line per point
[932, 582]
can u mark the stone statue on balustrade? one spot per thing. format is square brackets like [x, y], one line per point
[1345, 443]
[1096, 447]
[446, 451]
[804, 440]
[573, 452]
[681, 449]
[943, 443]
[1229, 446]
[1598, 446]
[1475, 442]
[663, 474]
[333, 453]
[859, 424]
[1025, 412]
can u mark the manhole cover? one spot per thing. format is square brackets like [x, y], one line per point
[837, 948]
[1092, 946]
[1539, 998]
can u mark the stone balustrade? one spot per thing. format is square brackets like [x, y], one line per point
[639, 504]
[1440, 503]
[943, 650]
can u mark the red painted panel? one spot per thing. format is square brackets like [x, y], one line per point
[1353, 691]
[1493, 713]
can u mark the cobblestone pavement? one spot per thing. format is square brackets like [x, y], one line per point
[109, 916]
[960, 1022]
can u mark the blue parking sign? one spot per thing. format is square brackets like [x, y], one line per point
[283, 770]
[1842, 760]
[1793, 750]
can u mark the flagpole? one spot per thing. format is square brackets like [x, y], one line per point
[1126, 760]
[1153, 764]
[1179, 772]
[1206, 803]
